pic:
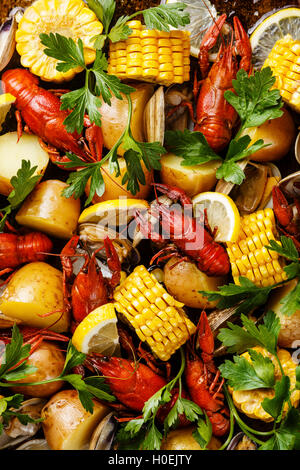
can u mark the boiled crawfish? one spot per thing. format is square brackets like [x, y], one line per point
[40, 109]
[203, 379]
[89, 289]
[187, 234]
[288, 216]
[18, 249]
[215, 117]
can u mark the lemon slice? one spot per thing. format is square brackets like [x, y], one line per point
[202, 14]
[97, 333]
[113, 213]
[222, 215]
[274, 27]
[6, 100]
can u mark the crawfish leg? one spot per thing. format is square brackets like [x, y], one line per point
[208, 41]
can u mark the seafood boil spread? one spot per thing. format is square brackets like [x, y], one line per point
[149, 226]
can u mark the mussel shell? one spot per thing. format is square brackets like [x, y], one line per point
[104, 433]
[7, 37]
[297, 149]
[34, 444]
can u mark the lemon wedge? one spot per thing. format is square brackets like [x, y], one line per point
[222, 214]
[97, 333]
[113, 213]
[274, 27]
[6, 100]
[202, 14]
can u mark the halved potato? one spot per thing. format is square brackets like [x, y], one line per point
[192, 179]
[34, 295]
[46, 210]
[13, 152]
[183, 280]
[67, 425]
[182, 439]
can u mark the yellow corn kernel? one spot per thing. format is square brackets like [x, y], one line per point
[162, 323]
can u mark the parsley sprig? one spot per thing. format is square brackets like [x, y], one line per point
[160, 17]
[260, 373]
[247, 296]
[255, 103]
[23, 183]
[145, 432]
[14, 368]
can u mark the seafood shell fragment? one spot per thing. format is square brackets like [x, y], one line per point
[154, 117]
[7, 37]
[34, 444]
[104, 434]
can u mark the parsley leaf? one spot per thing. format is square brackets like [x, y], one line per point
[203, 432]
[238, 338]
[69, 54]
[191, 146]
[274, 406]
[243, 375]
[291, 302]
[164, 16]
[120, 31]
[254, 100]
[104, 10]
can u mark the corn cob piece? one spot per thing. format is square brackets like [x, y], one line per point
[248, 255]
[70, 18]
[151, 56]
[155, 315]
[249, 401]
[284, 60]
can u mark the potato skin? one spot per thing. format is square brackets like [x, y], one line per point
[114, 117]
[67, 425]
[290, 325]
[35, 290]
[113, 185]
[49, 361]
[184, 280]
[192, 179]
[182, 439]
[46, 210]
[280, 133]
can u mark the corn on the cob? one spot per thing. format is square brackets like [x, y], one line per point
[284, 60]
[152, 56]
[155, 315]
[70, 18]
[249, 257]
[249, 401]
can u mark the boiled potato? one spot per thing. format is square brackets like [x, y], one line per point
[182, 439]
[67, 425]
[13, 152]
[183, 281]
[192, 179]
[279, 133]
[46, 210]
[49, 361]
[114, 118]
[290, 325]
[34, 295]
[114, 188]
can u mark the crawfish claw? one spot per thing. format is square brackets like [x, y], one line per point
[243, 46]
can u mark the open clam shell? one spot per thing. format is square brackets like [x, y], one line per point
[34, 444]
[15, 432]
[154, 117]
[290, 185]
[103, 436]
[7, 37]
[297, 149]
[241, 442]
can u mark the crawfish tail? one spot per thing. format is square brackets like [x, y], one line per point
[19, 249]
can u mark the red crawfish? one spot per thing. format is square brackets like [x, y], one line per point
[203, 380]
[18, 249]
[288, 215]
[187, 234]
[89, 289]
[215, 117]
[40, 110]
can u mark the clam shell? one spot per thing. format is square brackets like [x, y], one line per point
[154, 117]
[242, 441]
[103, 436]
[288, 186]
[7, 37]
[34, 444]
[297, 149]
